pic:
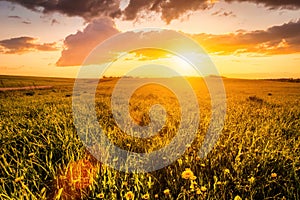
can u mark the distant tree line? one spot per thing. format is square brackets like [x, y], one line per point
[293, 80]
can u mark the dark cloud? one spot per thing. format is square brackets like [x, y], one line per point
[19, 18]
[169, 9]
[54, 21]
[14, 17]
[87, 9]
[22, 45]
[166, 9]
[222, 13]
[26, 22]
[79, 45]
[281, 39]
[288, 4]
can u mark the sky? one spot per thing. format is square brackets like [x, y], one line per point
[243, 38]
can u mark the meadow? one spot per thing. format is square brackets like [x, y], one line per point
[257, 155]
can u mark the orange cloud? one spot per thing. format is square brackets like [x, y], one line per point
[22, 45]
[273, 4]
[284, 39]
[149, 54]
[79, 45]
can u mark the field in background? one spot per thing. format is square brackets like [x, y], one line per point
[256, 157]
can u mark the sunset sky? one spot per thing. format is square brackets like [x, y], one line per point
[244, 38]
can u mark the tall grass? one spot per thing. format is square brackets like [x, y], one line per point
[256, 157]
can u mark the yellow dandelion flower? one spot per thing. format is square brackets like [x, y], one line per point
[273, 175]
[100, 196]
[251, 180]
[226, 171]
[198, 191]
[129, 195]
[187, 174]
[237, 197]
[167, 192]
[156, 196]
[203, 189]
[146, 196]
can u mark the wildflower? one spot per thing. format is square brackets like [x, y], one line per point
[156, 196]
[237, 197]
[203, 189]
[198, 191]
[129, 195]
[187, 174]
[251, 180]
[167, 192]
[100, 196]
[273, 175]
[227, 171]
[146, 196]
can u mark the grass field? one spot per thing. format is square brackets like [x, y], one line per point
[256, 157]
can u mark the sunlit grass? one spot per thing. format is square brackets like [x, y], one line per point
[256, 157]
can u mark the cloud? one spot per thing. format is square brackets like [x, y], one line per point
[22, 45]
[91, 9]
[222, 13]
[148, 54]
[168, 10]
[273, 4]
[283, 39]
[87, 9]
[26, 22]
[79, 45]
[14, 17]
[54, 21]
[139, 44]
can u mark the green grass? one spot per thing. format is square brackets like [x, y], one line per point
[40, 146]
